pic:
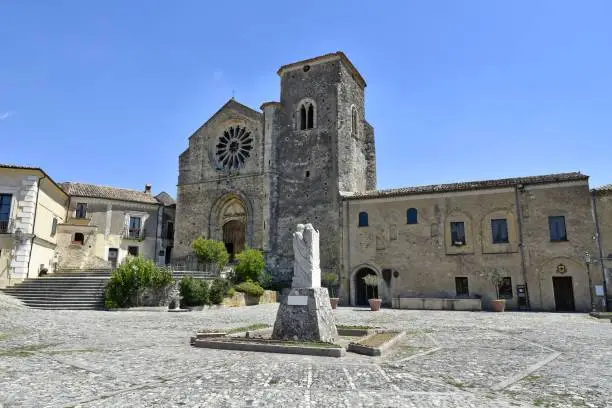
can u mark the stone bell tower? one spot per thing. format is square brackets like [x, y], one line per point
[324, 146]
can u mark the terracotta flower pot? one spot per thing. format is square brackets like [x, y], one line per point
[334, 302]
[498, 305]
[375, 304]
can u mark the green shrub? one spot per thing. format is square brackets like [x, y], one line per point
[209, 251]
[218, 289]
[250, 288]
[130, 279]
[194, 291]
[231, 292]
[251, 265]
[265, 280]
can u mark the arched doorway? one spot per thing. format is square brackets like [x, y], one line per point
[361, 290]
[233, 221]
[233, 237]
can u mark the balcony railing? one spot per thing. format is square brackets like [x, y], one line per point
[6, 226]
[134, 233]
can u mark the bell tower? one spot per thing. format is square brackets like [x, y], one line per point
[321, 151]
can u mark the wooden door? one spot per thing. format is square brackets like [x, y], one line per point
[233, 237]
[564, 293]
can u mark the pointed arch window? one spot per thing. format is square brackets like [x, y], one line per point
[412, 216]
[307, 113]
[353, 120]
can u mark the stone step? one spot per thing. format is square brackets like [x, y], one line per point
[91, 308]
[63, 282]
[70, 288]
[94, 297]
[64, 303]
[56, 295]
[68, 307]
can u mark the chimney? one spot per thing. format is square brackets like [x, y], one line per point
[147, 188]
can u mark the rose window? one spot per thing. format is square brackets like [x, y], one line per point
[234, 147]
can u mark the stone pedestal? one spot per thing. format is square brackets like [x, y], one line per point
[306, 315]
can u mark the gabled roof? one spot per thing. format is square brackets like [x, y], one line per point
[237, 107]
[331, 56]
[111, 193]
[466, 186]
[18, 167]
[165, 199]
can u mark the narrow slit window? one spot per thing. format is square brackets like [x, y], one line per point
[303, 118]
[310, 117]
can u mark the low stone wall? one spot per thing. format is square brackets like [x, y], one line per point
[155, 297]
[436, 304]
[240, 299]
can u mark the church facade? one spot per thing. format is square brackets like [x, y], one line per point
[248, 177]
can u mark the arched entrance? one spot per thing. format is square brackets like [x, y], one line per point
[233, 221]
[233, 237]
[362, 292]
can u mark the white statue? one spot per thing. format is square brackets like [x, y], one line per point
[306, 269]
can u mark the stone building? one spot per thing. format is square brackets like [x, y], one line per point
[602, 211]
[106, 224]
[248, 177]
[32, 206]
[444, 240]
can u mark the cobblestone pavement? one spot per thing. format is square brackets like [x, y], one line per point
[454, 359]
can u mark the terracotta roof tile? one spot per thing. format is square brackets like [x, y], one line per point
[466, 186]
[165, 199]
[606, 189]
[112, 193]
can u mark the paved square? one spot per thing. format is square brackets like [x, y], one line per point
[456, 359]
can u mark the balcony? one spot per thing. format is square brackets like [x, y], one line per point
[134, 233]
[79, 220]
[6, 226]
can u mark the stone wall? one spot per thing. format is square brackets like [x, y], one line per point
[427, 263]
[603, 208]
[205, 188]
[315, 164]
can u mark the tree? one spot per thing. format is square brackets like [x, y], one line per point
[371, 280]
[251, 264]
[496, 278]
[330, 280]
[209, 251]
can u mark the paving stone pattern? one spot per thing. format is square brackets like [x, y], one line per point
[447, 359]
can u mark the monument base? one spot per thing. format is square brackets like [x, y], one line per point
[306, 315]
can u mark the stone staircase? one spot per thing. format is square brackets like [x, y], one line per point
[74, 289]
[71, 290]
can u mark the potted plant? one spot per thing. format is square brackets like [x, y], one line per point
[330, 279]
[374, 301]
[496, 279]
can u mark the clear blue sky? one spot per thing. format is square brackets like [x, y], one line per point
[109, 91]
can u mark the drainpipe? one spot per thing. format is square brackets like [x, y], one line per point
[348, 251]
[157, 235]
[601, 255]
[34, 224]
[519, 215]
